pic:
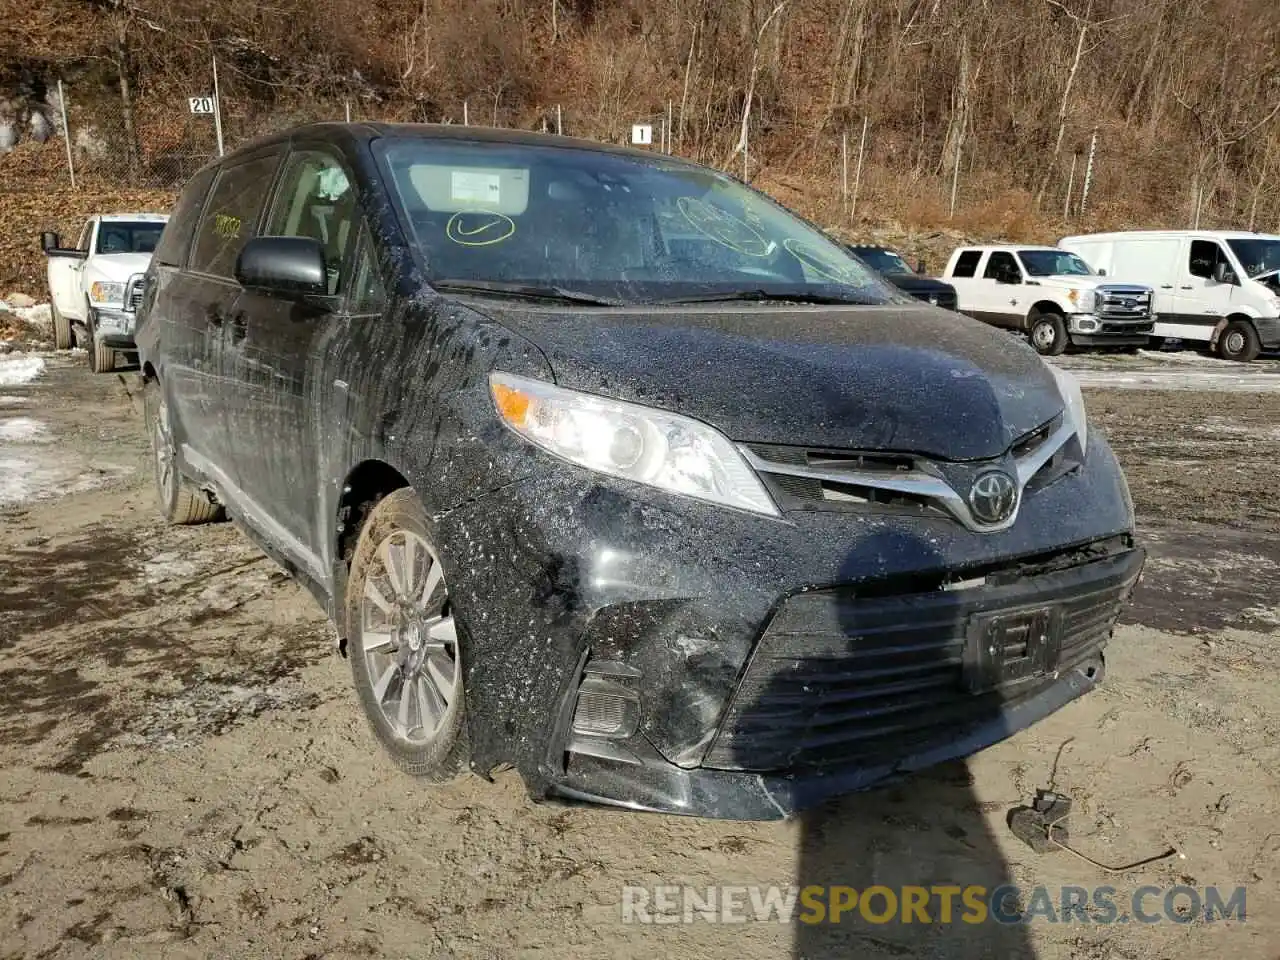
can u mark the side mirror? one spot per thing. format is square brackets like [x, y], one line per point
[284, 266]
[49, 241]
[1102, 273]
[1223, 273]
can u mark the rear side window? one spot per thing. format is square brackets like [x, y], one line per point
[967, 263]
[175, 241]
[231, 215]
[1002, 266]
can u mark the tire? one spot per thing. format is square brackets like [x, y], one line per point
[101, 359]
[405, 654]
[64, 337]
[1155, 343]
[1239, 341]
[1049, 334]
[181, 502]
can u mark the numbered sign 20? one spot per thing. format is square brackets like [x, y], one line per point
[201, 104]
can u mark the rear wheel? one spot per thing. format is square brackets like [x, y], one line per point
[405, 657]
[181, 502]
[63, 336]
[1239, 341]
[1049, 334]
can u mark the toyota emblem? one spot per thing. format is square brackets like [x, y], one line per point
[993, 497]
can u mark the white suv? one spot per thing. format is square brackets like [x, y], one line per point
[1050, 294]
[95, 286]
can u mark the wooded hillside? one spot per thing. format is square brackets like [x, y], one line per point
[997, 98]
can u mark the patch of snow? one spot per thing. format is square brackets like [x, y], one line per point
[1185, 356]
[22, 430]
[39, 316]
[44, 478]
[8, 400]
[20, 369]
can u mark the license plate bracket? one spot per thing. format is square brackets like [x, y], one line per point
[1011, 647]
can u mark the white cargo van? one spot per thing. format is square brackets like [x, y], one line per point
[1219, 287]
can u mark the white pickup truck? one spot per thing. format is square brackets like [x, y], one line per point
[95, 287]
[1051, 295]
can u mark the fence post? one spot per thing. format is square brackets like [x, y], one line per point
[1088, 173]
[844, 170]
[668, 126]
[466, 120]
[746, 133]
[559, 122]
[1071, 182]
[217, 106]
[66, 133]
[857, 177]
[955, 178]
[347, 105]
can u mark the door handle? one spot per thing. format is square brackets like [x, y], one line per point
[1166, 286]
[1186, 287]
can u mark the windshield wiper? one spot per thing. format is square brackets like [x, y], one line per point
[763, 296]
[529, 290]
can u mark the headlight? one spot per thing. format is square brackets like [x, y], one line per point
[649, 446]
[1082, 300]
[103, 292]
[1073, 402]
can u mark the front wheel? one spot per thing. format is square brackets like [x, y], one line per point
[102, 359]
[406, 660]
[1239, 341]
[1049, 334]
[64, 337]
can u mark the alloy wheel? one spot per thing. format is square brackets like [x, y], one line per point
[409, 638]
[165, 454]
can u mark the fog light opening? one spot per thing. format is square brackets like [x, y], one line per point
[606, 709]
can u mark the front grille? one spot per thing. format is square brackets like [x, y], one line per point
[133, 294]
[1124, 303]
[841, 677]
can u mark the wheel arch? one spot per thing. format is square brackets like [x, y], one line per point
[1040, 307]
[365, 484]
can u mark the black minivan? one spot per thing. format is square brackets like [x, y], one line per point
[608, 468]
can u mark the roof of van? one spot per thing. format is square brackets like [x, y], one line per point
[1174, 234]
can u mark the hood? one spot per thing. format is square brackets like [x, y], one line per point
[911, 379]
[118, 266]
[914, 283]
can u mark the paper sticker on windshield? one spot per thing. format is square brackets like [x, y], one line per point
[824, 264]
[479, 228]
[724, 228]
[467, 186]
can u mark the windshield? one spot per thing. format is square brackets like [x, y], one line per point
[121, 237]
[1053, 263]
[1256, 255]
[625, 228]
[886, 261]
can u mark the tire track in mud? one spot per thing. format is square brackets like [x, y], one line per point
[107, 638]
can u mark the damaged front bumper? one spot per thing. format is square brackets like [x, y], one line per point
[628, 648]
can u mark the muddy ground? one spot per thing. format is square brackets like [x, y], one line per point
[186, 774]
